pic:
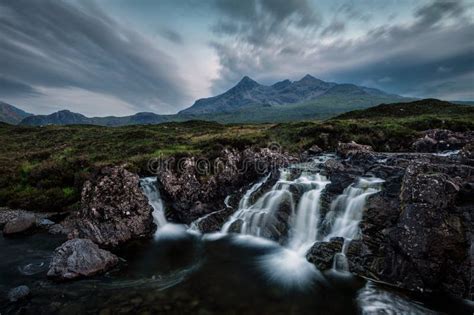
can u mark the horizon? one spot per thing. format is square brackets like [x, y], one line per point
[102, 58]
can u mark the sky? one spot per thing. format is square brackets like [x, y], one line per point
[119, 57]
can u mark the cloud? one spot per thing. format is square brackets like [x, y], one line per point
[409, 51]
[172, 35]
[9, 87]
[62, 45]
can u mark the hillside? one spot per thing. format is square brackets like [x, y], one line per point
[10, 114]
[420, 107]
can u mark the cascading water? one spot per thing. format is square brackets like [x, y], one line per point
[305, 221]
[149, 187]
[346, 213]
[347, 209]
[252, 216]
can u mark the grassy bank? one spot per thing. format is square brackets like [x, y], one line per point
[43, 168]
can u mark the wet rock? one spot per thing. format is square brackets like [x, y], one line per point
[346, 149]
[80, 258]
[213, 222]
[18, 293]
[321, 254]
[416, 232]
[20, 224]
[114, 209]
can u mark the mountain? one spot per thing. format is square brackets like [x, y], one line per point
[249, 93]
[10, 114]
[66, 117]
[250, 102]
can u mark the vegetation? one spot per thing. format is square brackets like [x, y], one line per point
[44, 168]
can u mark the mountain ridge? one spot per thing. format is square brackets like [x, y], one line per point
[11, 114]
[249, 92]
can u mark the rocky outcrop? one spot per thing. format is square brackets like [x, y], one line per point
[113, 210]
[435, 140]
[194, 188]
[417, 232]
[213, 222]
[78, 258]
[346, 149]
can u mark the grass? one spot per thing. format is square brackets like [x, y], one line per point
[44, 168]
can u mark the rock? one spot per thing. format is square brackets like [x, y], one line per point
[80, 258]
[192, 192]
[425, 144]
[346, 149]
[435, 140]
[20, 224]
[416, 233]
[59, 229]
[114, 209]
[18, 293]
[45, 223]
[213, 222]
[312, 151]
[321, 254]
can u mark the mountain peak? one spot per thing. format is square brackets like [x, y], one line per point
[309, 78]
[247, 83]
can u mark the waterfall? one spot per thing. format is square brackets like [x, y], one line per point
[150, 189]
[305, 221]
[346, 213]
[347, 209]
[248, 214]
[304, 218]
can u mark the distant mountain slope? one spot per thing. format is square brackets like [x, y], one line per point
[66, 117]
[415, 108]
[309, 89]
[10, 114]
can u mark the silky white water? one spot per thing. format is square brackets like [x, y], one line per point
[149, 187]
[347, 209]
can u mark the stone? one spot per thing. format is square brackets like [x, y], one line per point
[346, 149]
[78, 258]
[18, 293]
[321, 254]
[20, 224]
[114, 209]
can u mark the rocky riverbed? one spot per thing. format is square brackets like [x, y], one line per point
[414, 233]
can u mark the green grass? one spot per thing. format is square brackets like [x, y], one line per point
[44, 168]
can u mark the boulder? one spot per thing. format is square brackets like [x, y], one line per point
[20, 224]
[346, 149]
[18, 293]
[113, 210]
[80, 258]
[321, 254]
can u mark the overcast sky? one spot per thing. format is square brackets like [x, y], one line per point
[119, 57]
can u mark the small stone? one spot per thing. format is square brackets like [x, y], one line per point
[18, 293]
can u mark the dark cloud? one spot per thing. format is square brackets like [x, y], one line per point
[10, 87]
[417, 58]
[335, 27]
[55, 44]
[172, 35]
